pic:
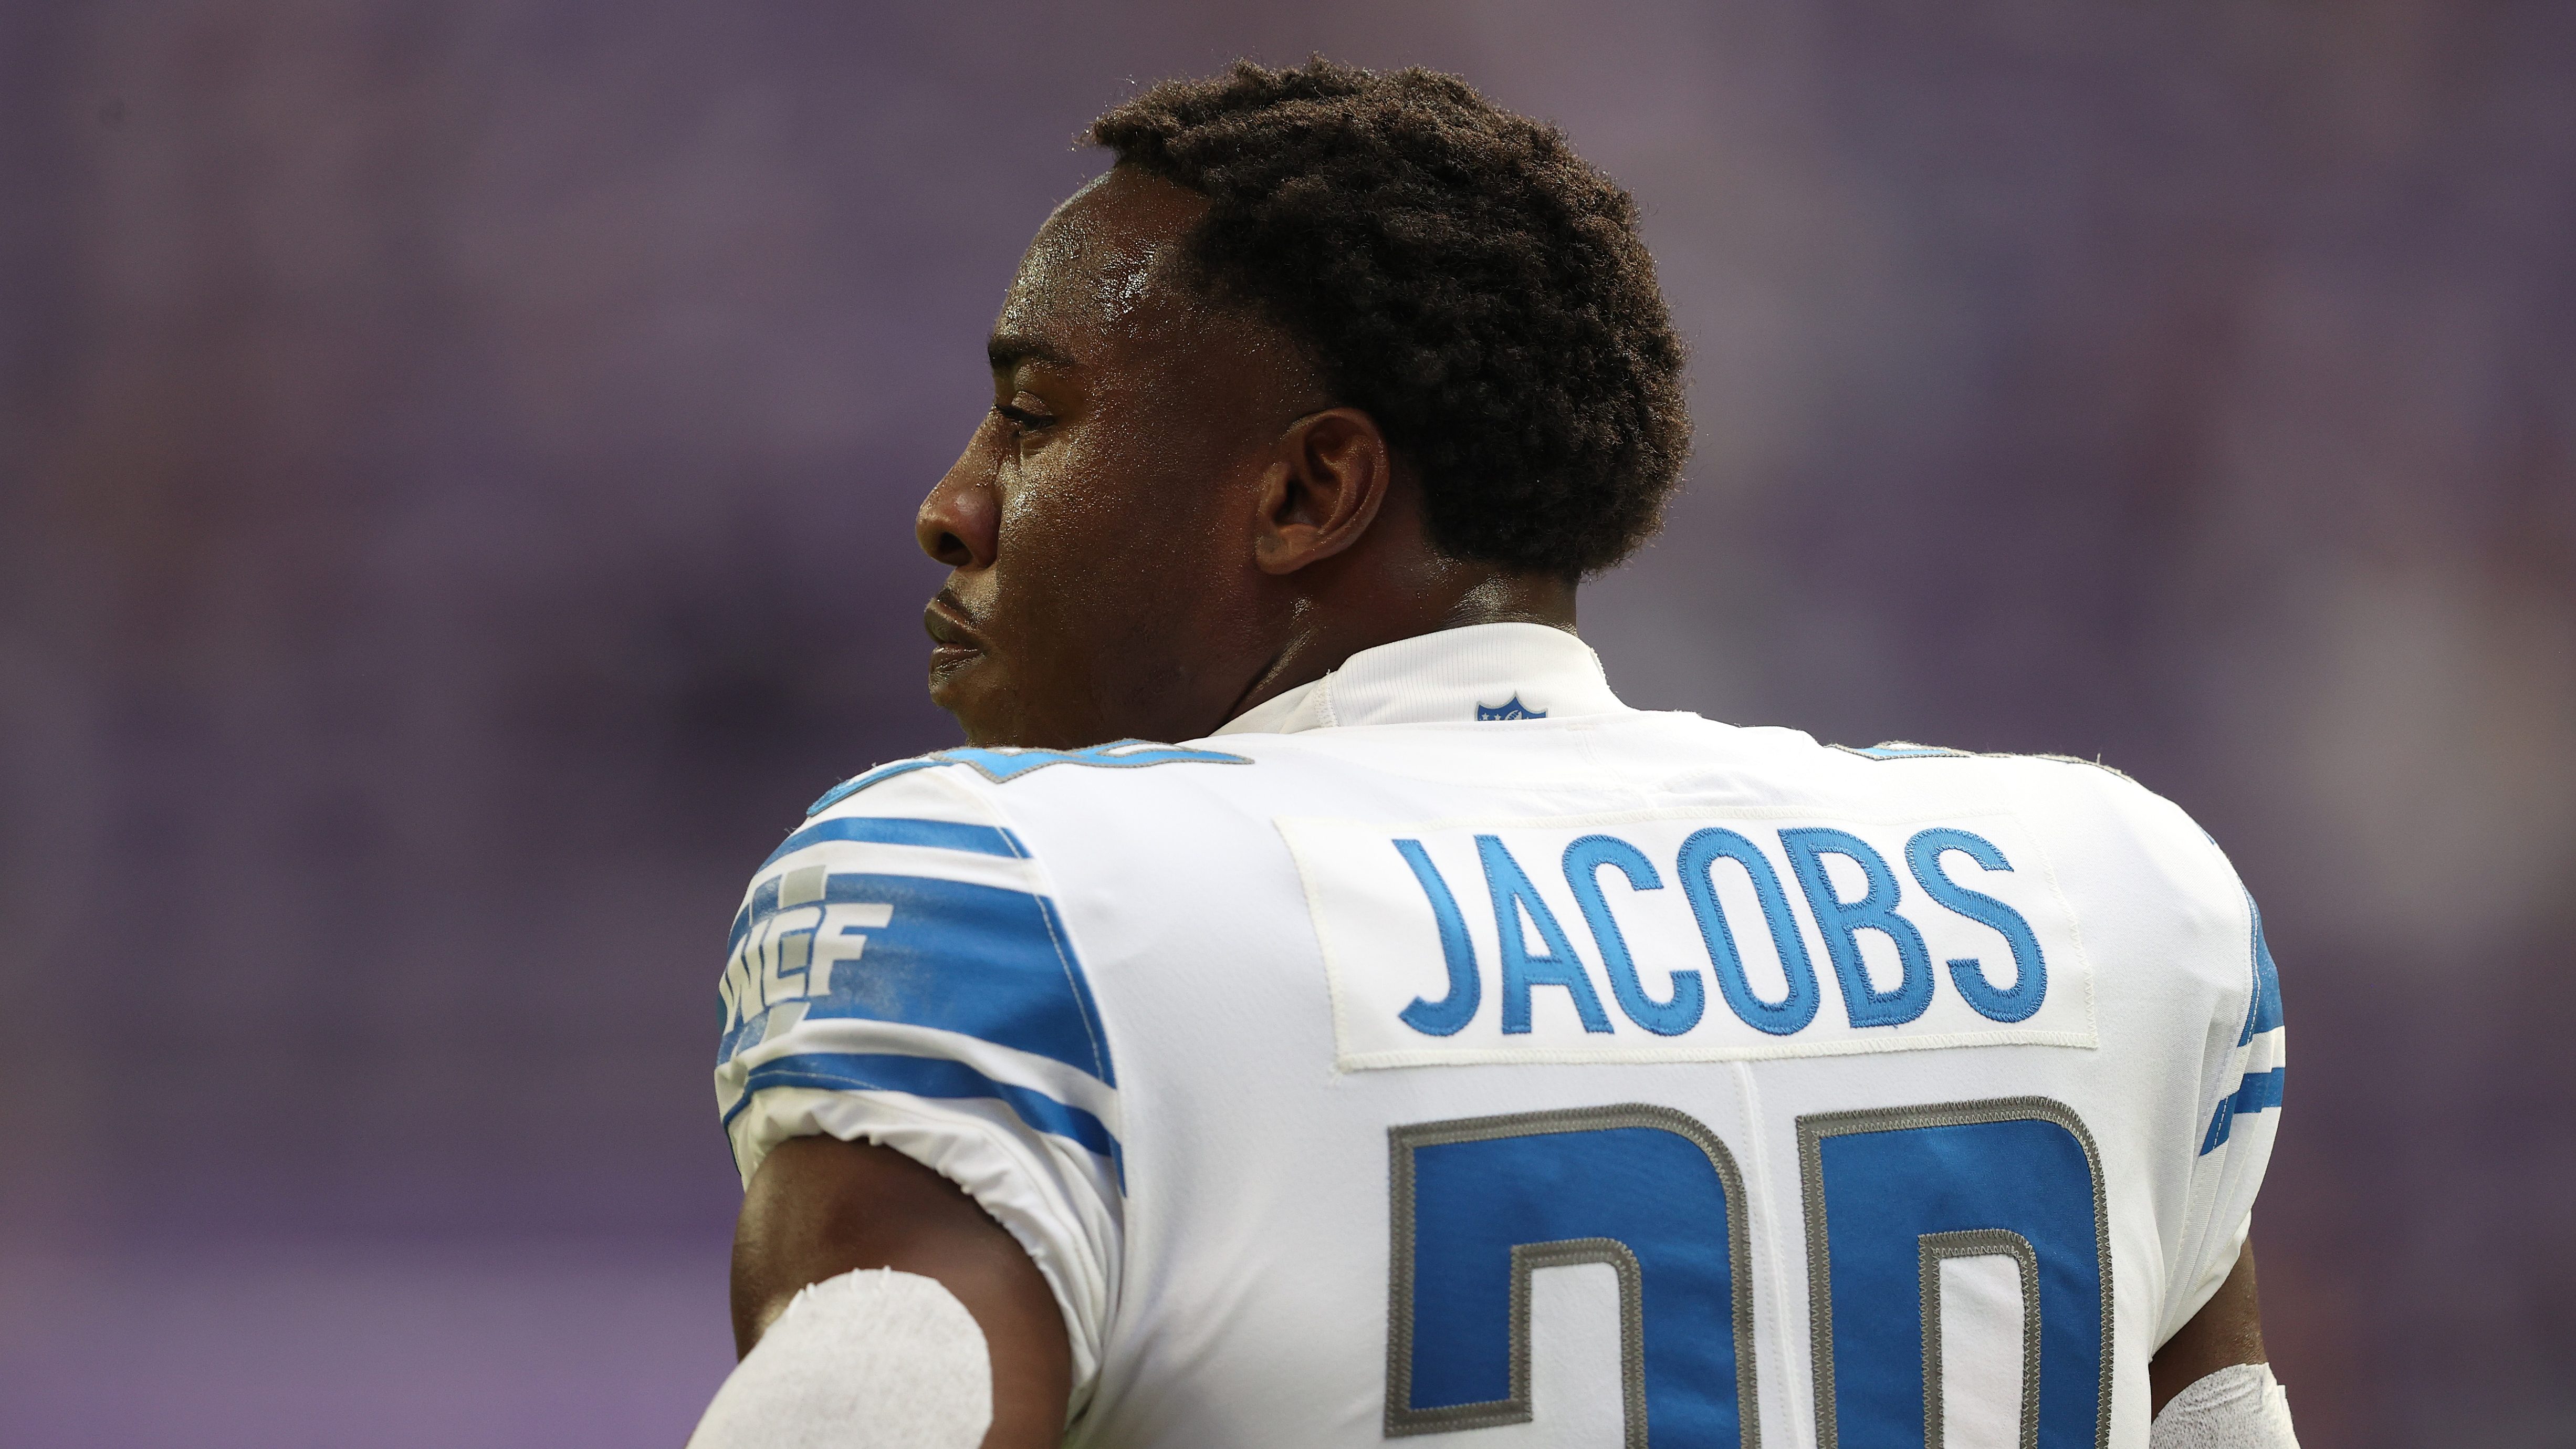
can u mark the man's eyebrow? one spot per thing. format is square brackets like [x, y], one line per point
[1009, 349]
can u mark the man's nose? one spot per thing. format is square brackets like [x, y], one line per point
[960, 522]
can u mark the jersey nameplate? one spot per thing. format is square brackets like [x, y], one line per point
[1692, 936]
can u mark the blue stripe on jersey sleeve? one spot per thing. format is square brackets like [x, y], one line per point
[926, 1077]
[979, 960]
[2258, 1092]
[892, 830]
[2265, 1013]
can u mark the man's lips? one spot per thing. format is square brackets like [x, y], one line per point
[952, 633]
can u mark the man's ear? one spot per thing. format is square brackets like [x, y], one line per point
[1322, 491]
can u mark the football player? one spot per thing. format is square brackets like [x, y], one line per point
[1312, 1009]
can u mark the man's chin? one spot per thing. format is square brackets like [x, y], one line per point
[969, 685]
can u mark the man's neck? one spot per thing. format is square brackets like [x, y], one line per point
[1320, 639]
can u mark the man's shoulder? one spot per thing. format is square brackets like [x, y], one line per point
[2070, 792]
[982, 811]
[970, 765]
[2115, 843]
[998, 801]
[1907, 766]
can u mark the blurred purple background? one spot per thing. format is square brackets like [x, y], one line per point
[456, 471]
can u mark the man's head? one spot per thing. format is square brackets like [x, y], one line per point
[1325, 360]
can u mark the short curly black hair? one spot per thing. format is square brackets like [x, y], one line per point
[1454, 270]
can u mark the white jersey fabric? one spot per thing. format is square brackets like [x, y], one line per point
[1445, 1048]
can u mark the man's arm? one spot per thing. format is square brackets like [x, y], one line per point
[2228, 1330]
[819, 1207]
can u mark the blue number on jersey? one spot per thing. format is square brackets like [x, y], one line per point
[1889, 1194]
[1482, 1203]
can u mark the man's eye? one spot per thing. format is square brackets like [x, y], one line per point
[1022, 418]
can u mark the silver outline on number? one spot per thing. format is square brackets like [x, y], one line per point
[1527, 1258]
[1816, 1127]
[1934, 1249]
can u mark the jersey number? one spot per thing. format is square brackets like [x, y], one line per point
[1890, 1196]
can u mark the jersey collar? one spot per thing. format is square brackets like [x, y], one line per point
[1455, 676]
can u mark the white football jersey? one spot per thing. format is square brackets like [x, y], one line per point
[1445, 1048]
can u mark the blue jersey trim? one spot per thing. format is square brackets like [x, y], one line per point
[1903, 750]
[891, 830]
[926, 1077]
[856, 783]
[2259, 1091]
[1909, 750]
[2264, 1013]
[1001, 766]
